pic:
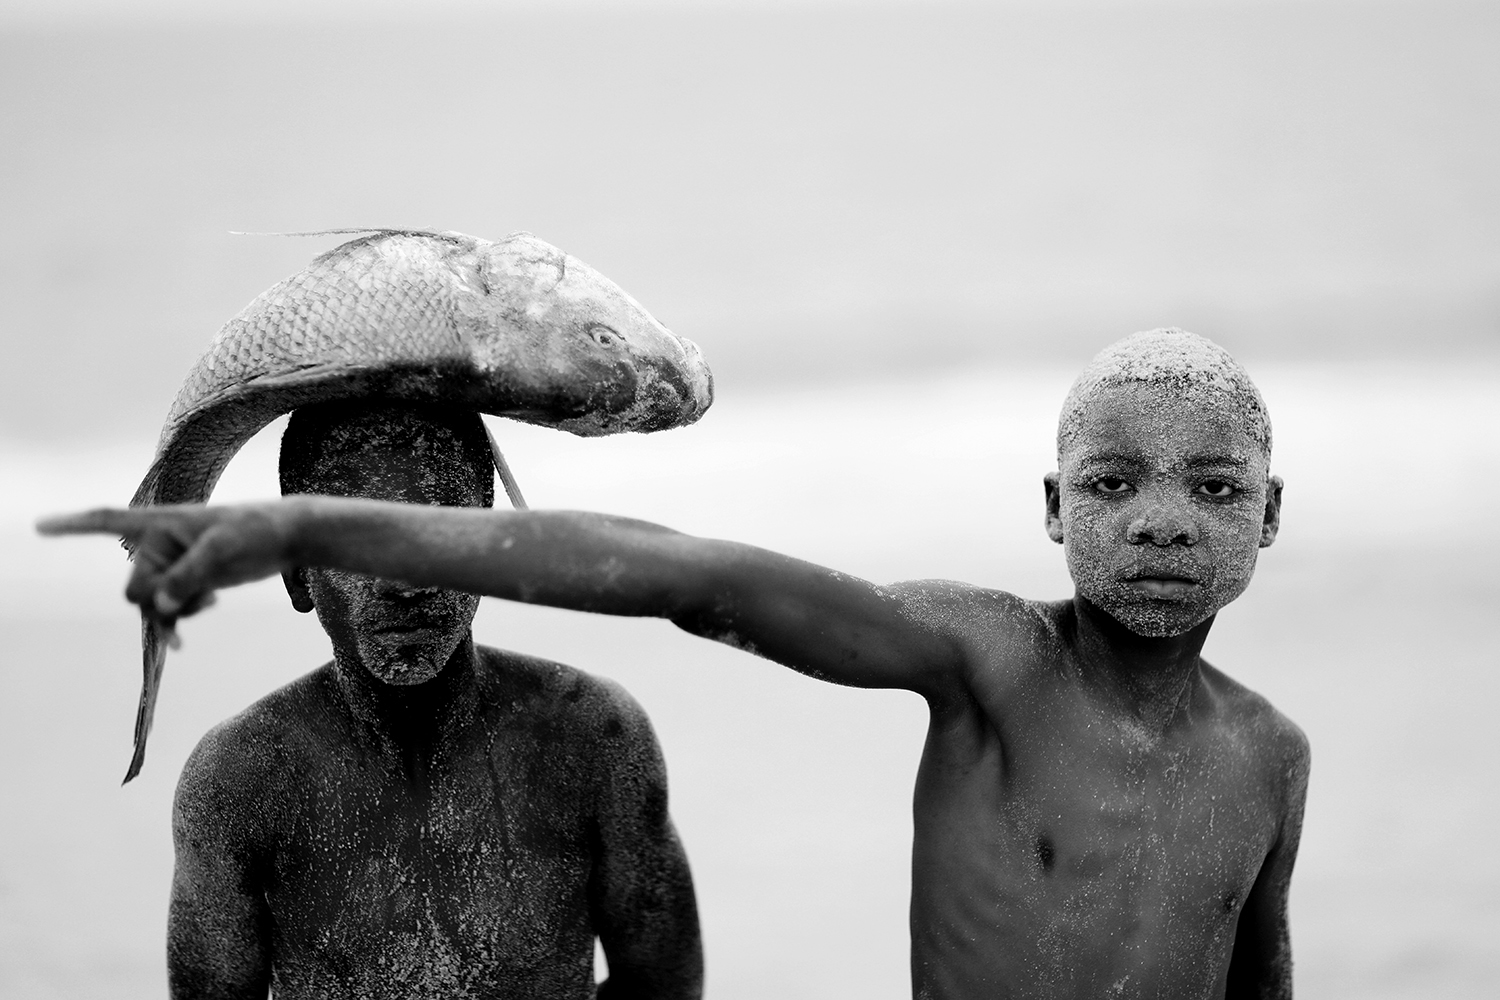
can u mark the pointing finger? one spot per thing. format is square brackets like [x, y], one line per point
[103, 520]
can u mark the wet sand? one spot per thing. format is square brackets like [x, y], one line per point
[1368, 623]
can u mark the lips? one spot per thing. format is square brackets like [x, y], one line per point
[1161, 587]
[409, 625]
[1163, 584]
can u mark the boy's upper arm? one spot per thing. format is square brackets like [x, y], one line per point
[831, 625]
[218, 929]
[1261, 965]
[642, 901]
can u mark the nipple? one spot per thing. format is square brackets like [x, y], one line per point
[1046, 854]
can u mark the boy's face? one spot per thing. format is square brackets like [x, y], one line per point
[1161, 504]
[401, 635]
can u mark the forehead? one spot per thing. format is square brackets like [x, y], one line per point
[1160, 424]
[395, 473]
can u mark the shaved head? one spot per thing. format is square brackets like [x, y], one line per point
[1176, 362]
[446, 446]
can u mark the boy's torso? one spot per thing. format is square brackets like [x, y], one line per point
[457, 868]
[1061, 849]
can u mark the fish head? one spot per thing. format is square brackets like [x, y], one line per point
[574, 346]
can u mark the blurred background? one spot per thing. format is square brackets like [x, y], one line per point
[897, 230]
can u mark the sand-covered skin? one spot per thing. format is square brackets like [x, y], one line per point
[1164, 445]
[422, 818]
[1179, 363]
[444, 840]
[360, 447]
[1163, 503]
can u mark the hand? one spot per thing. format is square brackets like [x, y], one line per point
[184, 552]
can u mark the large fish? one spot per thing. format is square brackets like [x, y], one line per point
[513, 327]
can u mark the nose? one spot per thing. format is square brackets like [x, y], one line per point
[1162, 526]
[401, 591]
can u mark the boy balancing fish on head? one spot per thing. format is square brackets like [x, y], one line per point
[1098, 811]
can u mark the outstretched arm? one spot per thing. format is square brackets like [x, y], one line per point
[1261, 965]
[813, 619]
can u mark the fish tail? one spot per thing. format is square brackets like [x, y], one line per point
[153, 659]
[145, 494]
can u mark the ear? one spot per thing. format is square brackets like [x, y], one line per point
[1054, 502]
[1272, 522]
[297, 589]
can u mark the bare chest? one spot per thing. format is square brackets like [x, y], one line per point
[472, 867]
[1085, 852]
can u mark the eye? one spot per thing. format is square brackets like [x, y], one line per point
[604, 336]
[1217, 488]
[1111, 485]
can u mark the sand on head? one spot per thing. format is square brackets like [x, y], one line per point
[1177, 362]
[447, 445]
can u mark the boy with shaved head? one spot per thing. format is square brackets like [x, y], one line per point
[1098, 811]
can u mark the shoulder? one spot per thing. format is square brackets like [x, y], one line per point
[249, 756]
[1260, 731]
[594, 735]
[1000, 640]
[968, 611]
[564, 698]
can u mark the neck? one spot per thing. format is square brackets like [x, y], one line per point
[1150, 676]
[412, 716]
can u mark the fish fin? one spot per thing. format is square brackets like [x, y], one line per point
[507, 479]
[155, 637]
[349, 232]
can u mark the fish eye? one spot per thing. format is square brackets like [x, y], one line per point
[1216, 488]
[603, 335]
[1111, 485]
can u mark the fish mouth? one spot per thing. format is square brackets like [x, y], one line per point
[1161, 584]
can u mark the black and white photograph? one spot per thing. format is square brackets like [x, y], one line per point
[932, 499]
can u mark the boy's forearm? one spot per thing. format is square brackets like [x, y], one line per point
[810, 618]
[793, 612]
[582, 561]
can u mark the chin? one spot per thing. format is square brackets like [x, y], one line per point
[1156, 621]
[405, 674]
[406, 666]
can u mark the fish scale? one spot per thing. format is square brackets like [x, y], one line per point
[513, 327]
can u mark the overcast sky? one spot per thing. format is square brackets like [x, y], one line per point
[810, 191]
